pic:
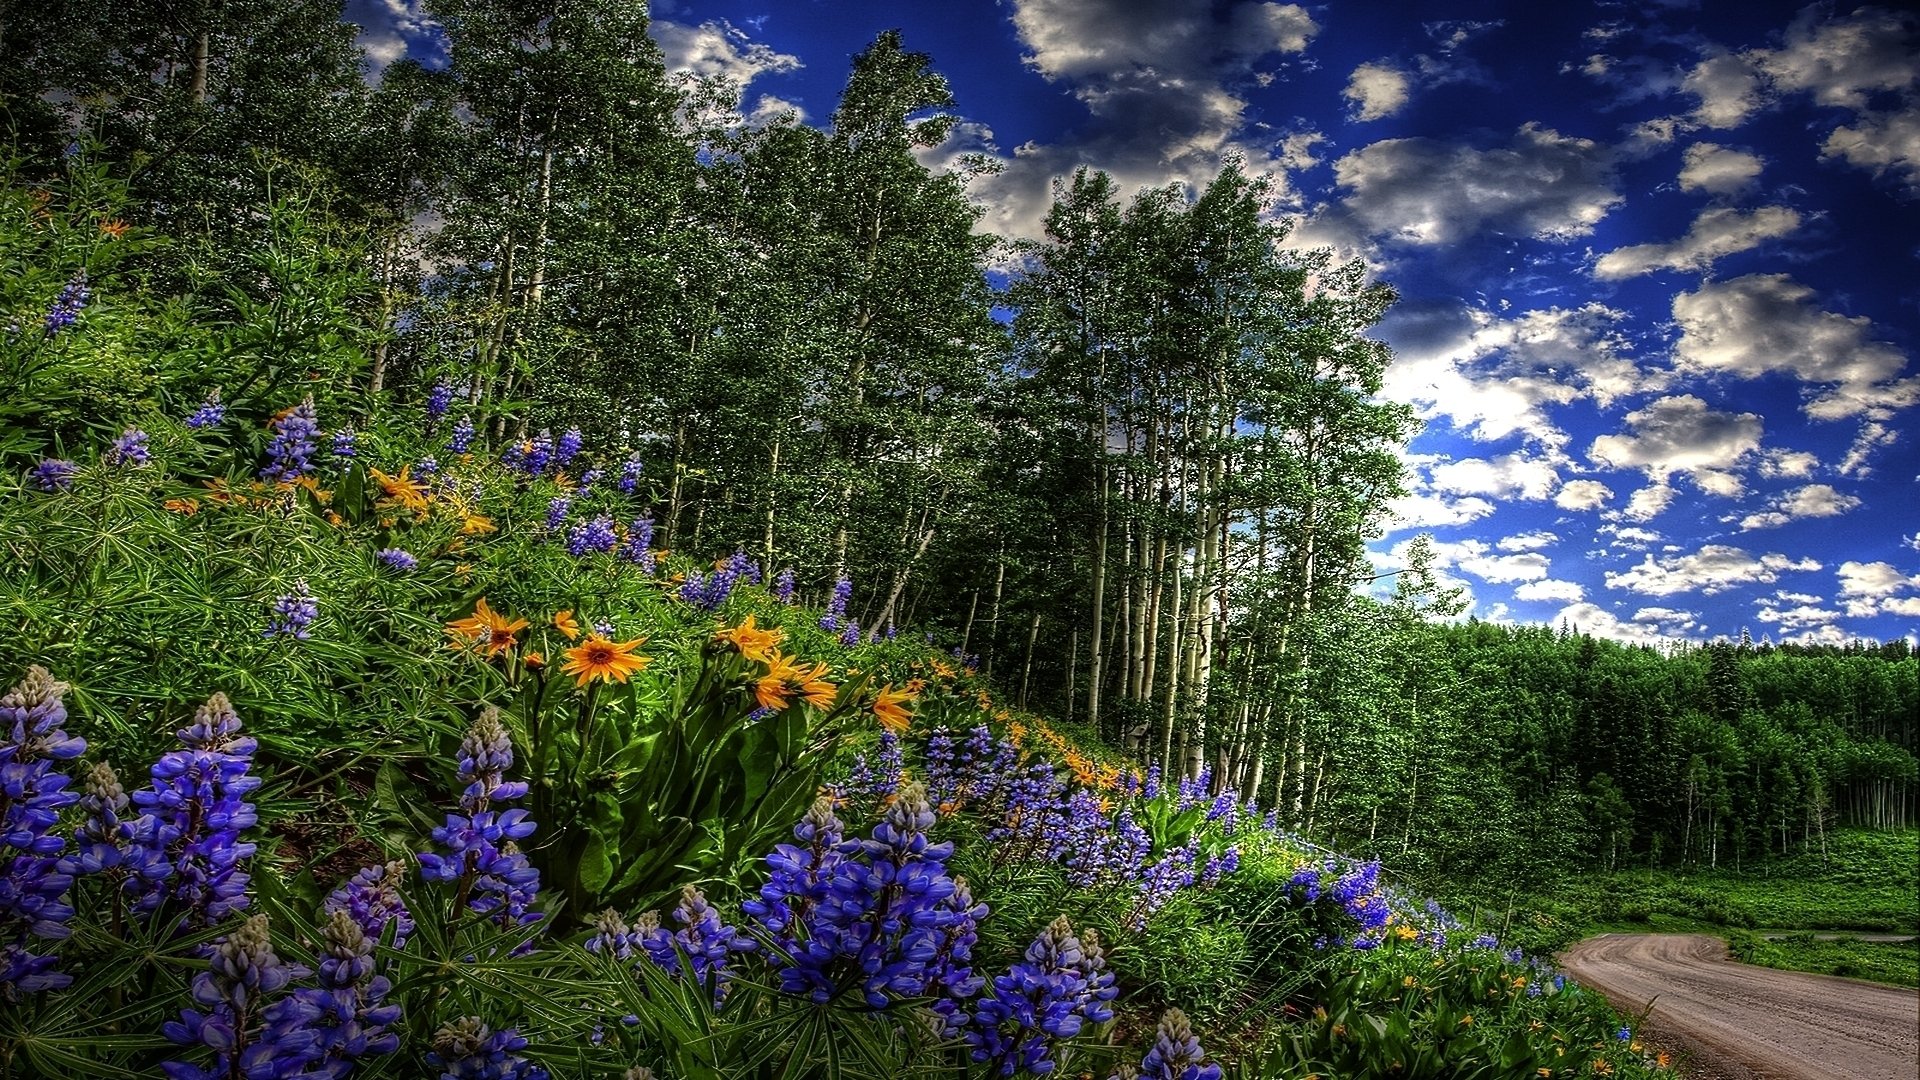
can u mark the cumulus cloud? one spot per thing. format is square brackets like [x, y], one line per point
[1532, 541]
[1631, 537]
[1550, 589]
[1647, 626]
[1431, 191]
[1427, 511]
[391, 29]
[1478, 558]
[1873, 435]
[1719, 231]
[1883, 143]
[1728, 86]
[1163, 88]
[717, 49]
[1811, 501]
[1647, 503]
[1680, 434]
[1717, 169]
[1493, 376]
[1508, 476]
[1715, 568]
[1843, 61]
[1582, 495]
[1789, 620]
[1764, 323]
[1778, 463]
[1376, 90]
[1873, 588]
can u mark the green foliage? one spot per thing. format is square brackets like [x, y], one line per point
[1895, 962]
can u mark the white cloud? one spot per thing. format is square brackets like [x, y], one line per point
[1549, 589]
[1493, 377]
[1532, 541]
[1872, 588]
[1843, 61]
[1883, 143]
[1508, 476]
[1787, 463]
[1715, 568]
[1811, 501]
[1680, 434]
[1719, 231]
[1428, 191]
[1583, 495]
[1069, 39]
[1421, 511]
[1717, 169]
[1763, 323]
[1631, 537]
[1659, 624]
[1873, 435]
[1376, 90]
[768, 109]
[1729, 87]
[718, 49]
[1648, 503]
[391, 29]
[1476, 557]
[1790, 619]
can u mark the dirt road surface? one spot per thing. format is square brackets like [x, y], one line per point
[1740, 1022]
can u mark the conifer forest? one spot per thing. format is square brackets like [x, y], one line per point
[509, 569]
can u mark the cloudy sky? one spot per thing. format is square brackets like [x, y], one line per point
[1659, 262]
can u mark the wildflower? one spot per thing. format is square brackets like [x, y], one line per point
[371, 897]
[751, 641]
[783, 586]
[568, 446]
[638, 548]
[629, 475]
[345, 444]
[1176, 1053]
[598, 658]
[472, 524]
[539, 454]
[68, 305]
[438, 399]
[210, 412]
[397, 559]
[251, 1027]
[1045, 997]
[477, 850]
[462, 435]
[889, 708]
[557, 512]
[563, 621]
[467, 1049]
[587, 480]
[293, 614]
[774, 690]
[33, 877]
[837, 605]
[591, 536]
[402, 491]
[291, 450]
[485, 627]
[351, 1020]
[113, 228]
[130, 449]
[53, 474]
[427, 466]
[703, 939]
[197, 803]
[603, 627]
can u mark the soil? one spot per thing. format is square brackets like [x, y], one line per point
[1732, 1021]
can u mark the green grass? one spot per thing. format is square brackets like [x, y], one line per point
[1881, 961]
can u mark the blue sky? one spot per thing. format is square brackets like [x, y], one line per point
[1657, 261]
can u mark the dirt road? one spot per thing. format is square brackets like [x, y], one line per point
[1739, 1021]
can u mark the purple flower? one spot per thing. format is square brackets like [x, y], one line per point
[53, 474]
[469, 1050]
[539, 454]
[1176, 1053]
[68, 305]
[438, 399]
[197, 809]
[639, 546]
[462, 435]
[130, 449]
[837, 605]
[702, 939]
[557, 512]
[587, 480]
[372, 898]
[399, 560]
[569, 445]
[783, 586]
[210, 412]
[426, 467]
[850, 634]
[253, 1028]
[1044, 998]
[350, 1020]
[293, 614]
[478, 853]
[290, 453]
[345, 444]
[33, 877]
[591, 536]
[629, 480]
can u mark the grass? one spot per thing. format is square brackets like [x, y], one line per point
[1880, 961]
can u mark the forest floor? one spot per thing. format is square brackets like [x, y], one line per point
[1735, 1021]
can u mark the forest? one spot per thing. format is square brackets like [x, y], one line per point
[545, 321]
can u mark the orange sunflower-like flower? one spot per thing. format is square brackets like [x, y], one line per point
[774, 690]
[816, 690]
[564, 622]
[488, 628]
[752, 642]
[187, 507]
[402, 490]
[113, 228]
[472, 524]
[889, 708]
[605, 661]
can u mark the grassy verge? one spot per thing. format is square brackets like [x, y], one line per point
[1880, 961]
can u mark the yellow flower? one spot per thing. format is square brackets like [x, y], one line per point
[598, 658]
[401, 490]
[476, 523]
[1405, 932]
[1408, 981]
[563, 621]
[1602, 1067]
[773, 690]
[189, 507]
[888, 707]
[815, 689]
[487, 628]
[1467, 1020]
[751, 641]
[113, 228]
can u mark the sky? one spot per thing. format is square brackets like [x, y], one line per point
[1658, 262]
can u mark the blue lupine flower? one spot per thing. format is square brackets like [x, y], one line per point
[703, 939]
[783, 586]
[397, 559]
[253, 1028]
[557, 511]
[1625, 1034]
[539, 454]
[426, 467]
[210, 412]
[591, 536]
[1485, 943]
[68, 305]
[569, 445]
[1044, 998]
[462, 435]
[438, 399]
[850, 634]
[53, 474]
[468, 1049]
[1159, 883]
[477, 846]
[630, 475]
[33, 877]
[1151, 790]
[639, 546]
[345, 444]
[291, 451]
[371, 897]
[587, 480]
[1176, 1052]
[612, 936]
[293, 614]
[837, 605]
[351, 1020]
[951, 981]
[790, 905]
[197, 808]
[129, 449]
